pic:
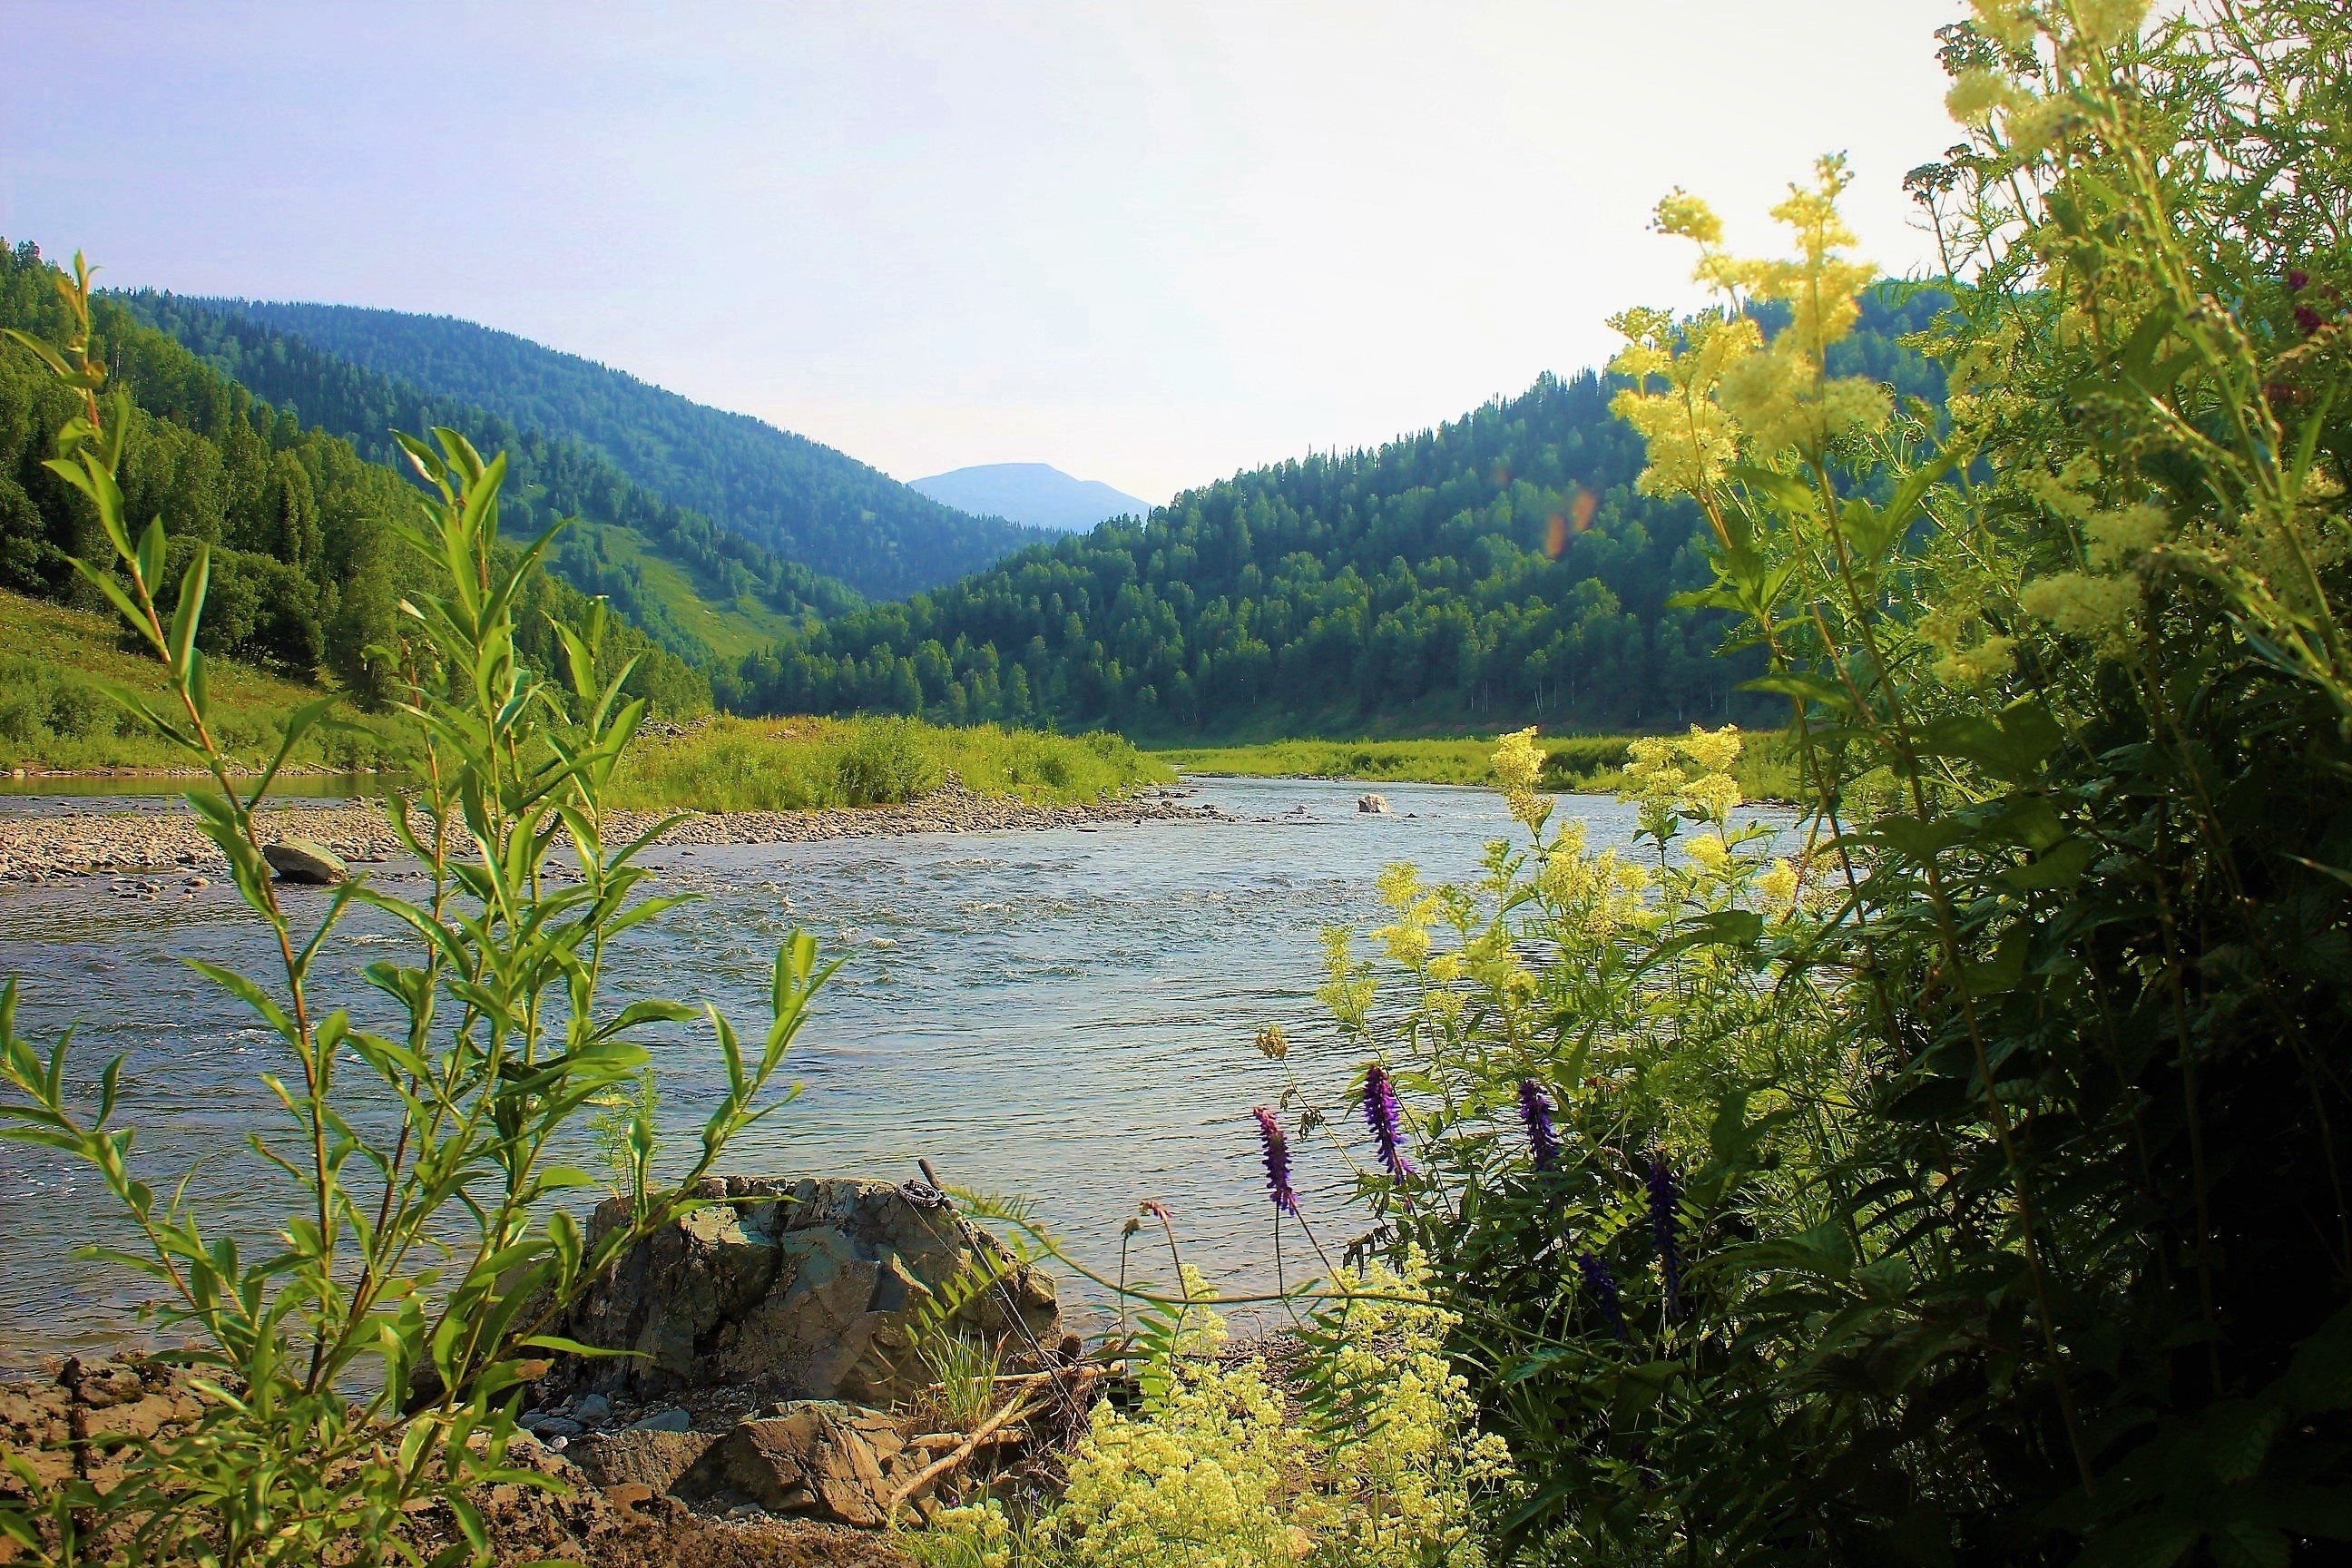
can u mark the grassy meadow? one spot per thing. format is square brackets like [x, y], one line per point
[800, 763]
[1572, 764]
[54, 717]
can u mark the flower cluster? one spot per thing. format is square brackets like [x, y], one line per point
[1674, 777]
[1385, 1114]
[1216, 1472]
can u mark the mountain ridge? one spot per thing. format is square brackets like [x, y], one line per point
[798, 498]
[1038, 494]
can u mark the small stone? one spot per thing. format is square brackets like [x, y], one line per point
[549, 1426]
[672, 1420]
[592, 1410]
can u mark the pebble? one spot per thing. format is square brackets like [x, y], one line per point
[671, 1420]
[88, 844]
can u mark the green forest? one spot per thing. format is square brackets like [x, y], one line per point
[307, 564]
[551, 478]
[1498, 570]
[801, 500]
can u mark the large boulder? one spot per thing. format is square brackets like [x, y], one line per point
[790, 1289]
[306, 861]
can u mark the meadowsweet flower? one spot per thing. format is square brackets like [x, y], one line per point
[2116, 536]
[1713, 751]
[1988, 660]
[1276, 1149]
[1348, 987]
[1604, 1285]
[2100, 609]
[1518, 764]
[1709, 855]
[1777, 887]
[1536, 1110]
[1663, 1198]
[1713, 796]
[1385, 1116]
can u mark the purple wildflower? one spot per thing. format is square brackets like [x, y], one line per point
[1662, 1231]
[1277, 1161]
[1543, 1140]
[1604, 1285]
[1386, 1119]
[2297, 280]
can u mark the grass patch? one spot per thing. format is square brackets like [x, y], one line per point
[729, 627]
[53, 716]
[797, 765]
[1572, 764]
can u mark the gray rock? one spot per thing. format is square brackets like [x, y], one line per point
[671, 1420]
[305, 861]
[546, 1427]
[591, 1410]
[815, 1457]
[794, 1289]
[658, 1461]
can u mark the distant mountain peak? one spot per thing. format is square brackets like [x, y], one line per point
[1038, 494]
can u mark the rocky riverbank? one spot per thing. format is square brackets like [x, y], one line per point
[82, 843]
[777, 1407]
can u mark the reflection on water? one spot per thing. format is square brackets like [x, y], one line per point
[1065, 1014]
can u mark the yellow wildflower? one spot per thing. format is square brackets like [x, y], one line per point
[1519, 764]
[2100, 609]
[1988, 660]
[1713, 751]
[1709, 855]
[2114, 536]
[1713, 796]
[1778, 887]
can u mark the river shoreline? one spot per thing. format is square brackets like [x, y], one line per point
[69, 845]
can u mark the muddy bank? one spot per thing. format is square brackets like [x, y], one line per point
[81, 843]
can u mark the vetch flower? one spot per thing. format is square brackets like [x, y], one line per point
[1604, 1285]
[1277, 1161]
[1543, 1138]
[1662, 1231]
[1385, 1116]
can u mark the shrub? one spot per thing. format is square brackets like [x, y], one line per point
[370, 1357]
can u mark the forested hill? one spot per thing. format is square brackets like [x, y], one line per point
[1498, 570]
[307, 571]
[746, 593]
[803, 500]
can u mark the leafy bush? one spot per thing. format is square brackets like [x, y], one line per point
[371, 1356]
[1966, 1187]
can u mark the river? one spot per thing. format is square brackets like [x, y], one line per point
[1067, 1014]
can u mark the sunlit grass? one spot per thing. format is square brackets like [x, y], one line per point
[1571, 763]
[791, 764]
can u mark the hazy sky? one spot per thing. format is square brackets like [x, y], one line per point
[1146, 243]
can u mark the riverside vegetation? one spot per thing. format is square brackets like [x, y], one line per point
[1953, 1177]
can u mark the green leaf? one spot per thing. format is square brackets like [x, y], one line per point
[190, 610]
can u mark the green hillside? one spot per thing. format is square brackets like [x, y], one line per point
[307, 568]
[803, 500]
[1497, 571]
[700, 590]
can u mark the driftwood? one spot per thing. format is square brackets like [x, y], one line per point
[953, 1457]
[988, 1433]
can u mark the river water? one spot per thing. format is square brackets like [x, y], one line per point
[1065, 1014]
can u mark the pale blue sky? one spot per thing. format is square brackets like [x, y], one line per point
[1149, 244]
